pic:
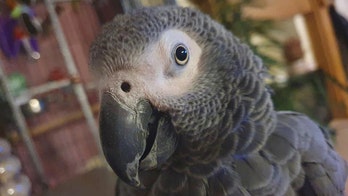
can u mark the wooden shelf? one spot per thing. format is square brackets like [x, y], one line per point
[55, 123]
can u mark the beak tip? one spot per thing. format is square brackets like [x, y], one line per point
[136, 183]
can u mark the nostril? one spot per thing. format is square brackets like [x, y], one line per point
[126, 87]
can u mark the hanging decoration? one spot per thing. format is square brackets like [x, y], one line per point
[18, 30]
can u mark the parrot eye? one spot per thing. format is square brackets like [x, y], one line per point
[181, 55]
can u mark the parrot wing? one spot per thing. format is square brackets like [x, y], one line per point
[297, 158]
[322, 171]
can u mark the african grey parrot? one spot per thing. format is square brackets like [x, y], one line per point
[185, 111]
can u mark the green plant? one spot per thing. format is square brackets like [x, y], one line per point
[229, 13]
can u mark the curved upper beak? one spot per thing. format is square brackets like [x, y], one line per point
[129, 138]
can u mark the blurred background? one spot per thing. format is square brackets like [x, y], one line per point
[49, 102]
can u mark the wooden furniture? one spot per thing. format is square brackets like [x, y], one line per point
[324, 44]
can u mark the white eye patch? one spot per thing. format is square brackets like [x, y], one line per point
[171, 63]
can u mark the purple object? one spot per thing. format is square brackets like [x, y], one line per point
[9, 45]
[7, 41]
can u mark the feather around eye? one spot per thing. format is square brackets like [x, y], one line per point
[181, 54]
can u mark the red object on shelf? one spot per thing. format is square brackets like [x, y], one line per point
[57, 74]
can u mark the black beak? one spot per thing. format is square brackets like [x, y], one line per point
[132, 139]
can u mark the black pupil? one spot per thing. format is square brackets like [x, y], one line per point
[181, 53]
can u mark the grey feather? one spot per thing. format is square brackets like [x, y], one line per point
[256, 171]
[282, 144]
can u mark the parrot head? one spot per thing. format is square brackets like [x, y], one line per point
[176, 89]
